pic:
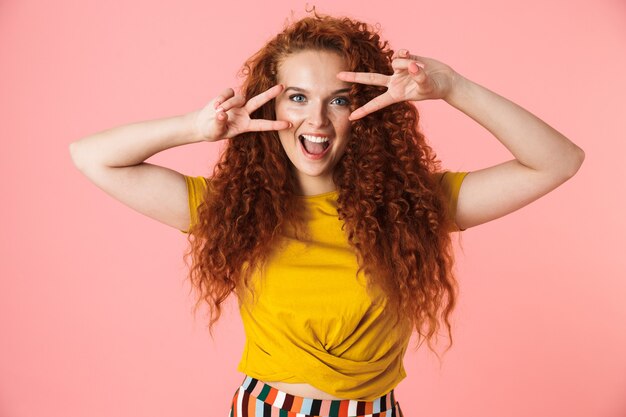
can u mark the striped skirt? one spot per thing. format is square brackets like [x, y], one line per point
[254, 398]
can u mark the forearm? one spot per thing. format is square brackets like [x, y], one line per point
[534, 143]
[132, 144]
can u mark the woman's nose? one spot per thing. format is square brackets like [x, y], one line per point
[318, 115]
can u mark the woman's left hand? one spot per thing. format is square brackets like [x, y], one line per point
[414, 78]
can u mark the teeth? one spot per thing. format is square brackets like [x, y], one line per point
[317, 139]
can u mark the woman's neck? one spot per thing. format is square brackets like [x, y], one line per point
[316, 185]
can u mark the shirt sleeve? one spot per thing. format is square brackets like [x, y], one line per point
[196, 189]
[451, 183]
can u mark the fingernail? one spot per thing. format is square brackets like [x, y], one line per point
[219, 109]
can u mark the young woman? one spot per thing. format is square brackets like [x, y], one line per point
[328, 215]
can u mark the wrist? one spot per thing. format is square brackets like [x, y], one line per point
[459, 88]
[190, 121]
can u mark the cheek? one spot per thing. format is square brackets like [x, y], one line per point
[286, 135]
[342, 123]
[288, 113]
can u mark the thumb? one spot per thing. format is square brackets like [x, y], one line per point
[417, 72]
[221, 116]
[214, 127]
[221, 121]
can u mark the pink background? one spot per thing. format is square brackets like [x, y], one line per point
[95, 314]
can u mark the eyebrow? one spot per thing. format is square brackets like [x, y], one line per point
[302, 90]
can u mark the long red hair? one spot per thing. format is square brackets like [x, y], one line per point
[394, 212]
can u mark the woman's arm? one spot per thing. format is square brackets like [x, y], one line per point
[544, 158]
[131, 144]
[114, 159]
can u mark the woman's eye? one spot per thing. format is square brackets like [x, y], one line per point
[298, 98]
[342, 101]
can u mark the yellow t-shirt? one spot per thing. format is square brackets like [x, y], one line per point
[314, 320]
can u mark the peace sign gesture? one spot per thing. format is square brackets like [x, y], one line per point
[414, 78]
[228, 115]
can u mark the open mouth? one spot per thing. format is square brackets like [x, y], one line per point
[314, 145]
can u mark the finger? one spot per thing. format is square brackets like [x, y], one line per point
[402, 64]
[260, 99]
[224, 95]
[421, 59]
[221, 116]
[236, 101]
[258, 125]
[369, 78]
[417, 73]
[401, 53]
[371, 106]
[404, 53]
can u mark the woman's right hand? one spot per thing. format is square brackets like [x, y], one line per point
[228, 115]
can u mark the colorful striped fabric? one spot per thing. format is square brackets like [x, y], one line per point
[254, 398]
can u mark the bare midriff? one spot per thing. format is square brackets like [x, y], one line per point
[301, 390]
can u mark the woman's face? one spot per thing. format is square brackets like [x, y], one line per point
[317, 105]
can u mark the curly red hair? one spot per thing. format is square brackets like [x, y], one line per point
[394, 212]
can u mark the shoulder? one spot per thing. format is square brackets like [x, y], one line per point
[449, 179]
[196, 193]
[450, 183]
[196, 187]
